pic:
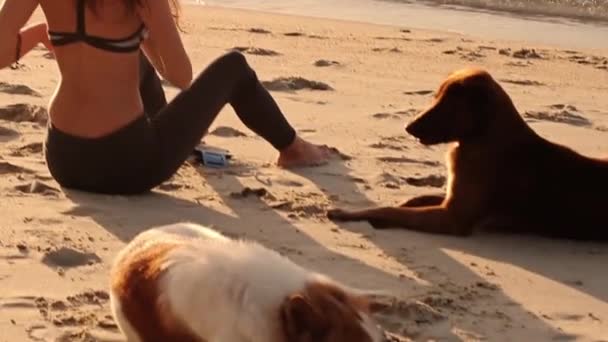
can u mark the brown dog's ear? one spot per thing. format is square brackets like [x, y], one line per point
[301, 320]
[480, 93]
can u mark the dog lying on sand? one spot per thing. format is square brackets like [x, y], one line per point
[188, 283]
[502, 175]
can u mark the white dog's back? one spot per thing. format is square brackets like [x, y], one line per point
[190, 280]
[213, 276]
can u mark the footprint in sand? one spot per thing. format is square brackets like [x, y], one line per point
[37, 187]
[395, 143]
[403, 319]
[251, 50]
[466, 54]
[302, 207]
[69, 258]
[388, 146]
[402, 160]
[597, 62]
[560, 113]
[258, 30]
[601, 128]
[251, 192]
[325, 63]
[308, 130]
[521, 53]
[7, 134]
[171, 186]
[82, 211]
[301, 34]
[522, 82]
[316, 36]
[28, 150]
[435, 181]
[227, 132]
[82, 317]
[408, 112]
[393, 50]
[569, 317]
[90, 297]
[580, 59]
[217, 28]
[302, 100]
[434, 40]
[294, 34]
[288, 84]
[18, 89]
[394, 38]
[418, 92]
[20, 302]
[389, 181]
[43, 333]
[22, 112]
[390, 337]
[8, 168]
[395, 115]
[519, 64]
[383, 116]
[289, 183]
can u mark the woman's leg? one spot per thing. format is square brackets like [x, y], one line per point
[229, 80]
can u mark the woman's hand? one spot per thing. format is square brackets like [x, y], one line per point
[44, 38]
[164, 47]
[37, 34]
[14, 14]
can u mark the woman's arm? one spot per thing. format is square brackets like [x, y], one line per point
[14, 14]
[164, 46]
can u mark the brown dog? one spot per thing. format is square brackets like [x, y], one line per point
[500, 172]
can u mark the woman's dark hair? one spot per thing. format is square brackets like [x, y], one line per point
[133, 4]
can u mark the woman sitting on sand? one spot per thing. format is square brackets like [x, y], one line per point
[110, 129]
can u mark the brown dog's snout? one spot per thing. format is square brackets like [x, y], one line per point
[409, 128]
[429, 128]
[414, 127]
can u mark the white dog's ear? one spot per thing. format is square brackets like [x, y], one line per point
[300, 318]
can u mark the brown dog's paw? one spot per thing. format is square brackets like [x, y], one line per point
[339, 215]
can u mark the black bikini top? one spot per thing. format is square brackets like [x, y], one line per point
[128, 44]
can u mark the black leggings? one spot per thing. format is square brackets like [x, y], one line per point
[149, 151]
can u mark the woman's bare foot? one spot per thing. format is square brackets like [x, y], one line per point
[301, 153]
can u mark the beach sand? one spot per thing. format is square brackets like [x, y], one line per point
[56, 246]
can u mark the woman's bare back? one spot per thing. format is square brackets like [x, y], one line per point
[98, 92]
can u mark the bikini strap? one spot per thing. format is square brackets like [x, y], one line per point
[80, 12]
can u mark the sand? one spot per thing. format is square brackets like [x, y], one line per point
[56, 246]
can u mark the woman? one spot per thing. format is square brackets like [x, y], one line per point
[110, 130]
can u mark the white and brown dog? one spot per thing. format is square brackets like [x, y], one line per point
[188, 283]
